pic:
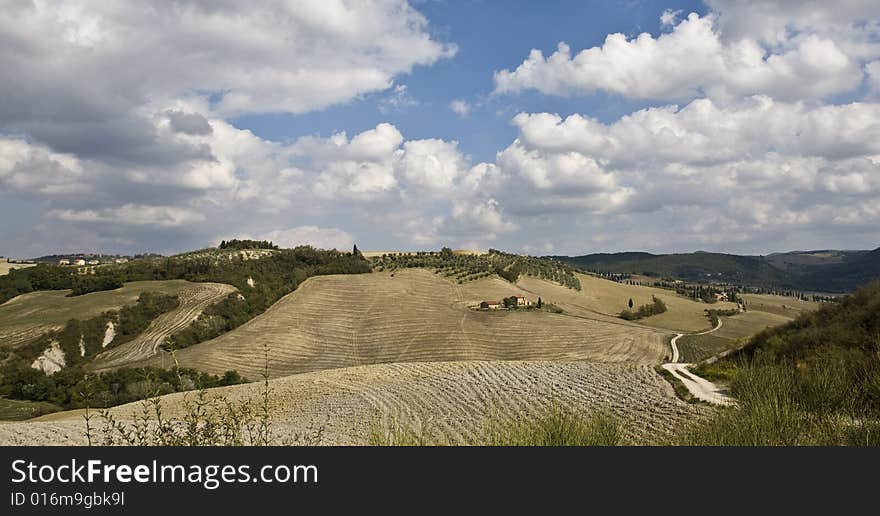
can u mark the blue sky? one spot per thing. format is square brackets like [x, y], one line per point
[724, 125]
[490, 36]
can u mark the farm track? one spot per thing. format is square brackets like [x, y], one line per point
[699, 387]
[193, 301]
[455, 399]
[415, 316]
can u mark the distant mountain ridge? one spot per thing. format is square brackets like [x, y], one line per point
[825, 270]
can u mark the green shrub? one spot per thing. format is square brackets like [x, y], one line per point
[397, 433]
[656, 307]
[557, 427]
[72, 387]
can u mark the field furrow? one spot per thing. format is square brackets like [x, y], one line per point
[413, 316]
[26, 317]
[193, 300]
[454, 399]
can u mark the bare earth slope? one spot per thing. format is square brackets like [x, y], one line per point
[456, 397]
[413, 316]
[194, 298]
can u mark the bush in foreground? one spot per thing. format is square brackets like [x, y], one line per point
[558, 427]
[777, 406]
[206, 421]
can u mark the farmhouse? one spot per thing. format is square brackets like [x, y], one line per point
[490, 305]
[522, 301]
[79, 262]
[94, 262]
[63, 262]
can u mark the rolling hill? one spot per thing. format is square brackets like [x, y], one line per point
[609, 298]
[453, 399]
[194, 299]
[696, 267]
[812, 381]
[27, 316]
[6, 266]
[854, 270]
[349, 351]
[815, 271]
[413, 315]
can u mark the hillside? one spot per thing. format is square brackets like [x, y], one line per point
[339, 312]
[412, 315]
[453, 399]
[814, 271]
[27, 316]
[696, 267]
[194, 299]
[464, 266]
[5, 266]
[802, 262]
[815, 380]
[601, 296]
[853, 270]
[348, 352]
[848, 327]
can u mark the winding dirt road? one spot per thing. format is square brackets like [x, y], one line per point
[700, 388]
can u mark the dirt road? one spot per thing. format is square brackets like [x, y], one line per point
[700, 388]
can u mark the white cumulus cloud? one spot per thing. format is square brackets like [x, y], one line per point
[322, 238]
[460, 107]
[695, 60]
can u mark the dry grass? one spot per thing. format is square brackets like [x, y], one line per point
[15, 410]
[27, 316]
[453, 399]
[414, 316]
[733, 332]
[610, 298]
[5, 266]
[789, 307]
[764, 311]
[748, 323]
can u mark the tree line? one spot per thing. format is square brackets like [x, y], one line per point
[246, 244]
[470, 267]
